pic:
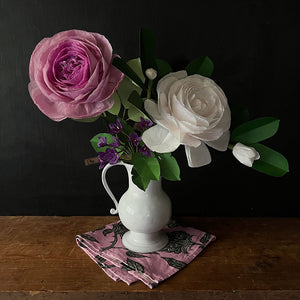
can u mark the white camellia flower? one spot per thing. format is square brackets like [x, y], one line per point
[192, 111]
[245, 154]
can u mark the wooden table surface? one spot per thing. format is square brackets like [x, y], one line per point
[252, 258]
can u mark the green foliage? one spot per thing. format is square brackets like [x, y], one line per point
[145, 166]
[115, 109]
[202, 66]
[135, 99]
[125, 88]
[135, 114]
[271, 162]
[136, 110]
[163, 68]
[255, 131]
[139, 181]
[136, 66]
[169, 168]
[124, 68]
[87, 120]
[147, 49]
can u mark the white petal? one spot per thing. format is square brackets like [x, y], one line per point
[180, 112]
[245, 154]
[165, 83]
[221, 143]
[226, 119]
[197, 157]
[163, 106]
[190, 140]
[159, 139]
[152, 109]
[179, 74]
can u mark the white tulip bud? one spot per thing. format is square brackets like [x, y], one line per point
[245, 154]
[151, 73]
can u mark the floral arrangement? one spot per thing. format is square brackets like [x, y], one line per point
[150, 109]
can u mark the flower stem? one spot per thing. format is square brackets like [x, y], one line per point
[230, 146]
[149, 89]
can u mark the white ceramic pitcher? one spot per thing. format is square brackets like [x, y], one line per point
[144, 213]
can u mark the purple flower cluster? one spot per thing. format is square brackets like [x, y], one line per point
[134, 139]
[109, 156]
[102, 142]
[115, 127]
[145, 151]
[145, 123]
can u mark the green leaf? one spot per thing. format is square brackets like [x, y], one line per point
[147, 167]
[169, 168]
[117, 105]
[124, 68]
[136, 66]
[147, 49]
[95, 140]
[202, 65]
[163, 155]
[139, 181]
[87, 120]
[255, 130]
[163, 68]
[271, 162]
[135, 114]
[135, 99]
[125, 89]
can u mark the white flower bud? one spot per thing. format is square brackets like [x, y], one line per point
[245, 154]
[151, 73]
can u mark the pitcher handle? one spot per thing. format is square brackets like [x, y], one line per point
[108, 190]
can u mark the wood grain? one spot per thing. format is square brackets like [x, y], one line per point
[252, 257]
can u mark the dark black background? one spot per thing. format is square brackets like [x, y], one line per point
[254, 45]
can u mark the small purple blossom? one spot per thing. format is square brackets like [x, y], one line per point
[109, 156]
[116, 143]
[145, 123]
[145, 151]
[115, 127]
[102, 142]
[134, 138]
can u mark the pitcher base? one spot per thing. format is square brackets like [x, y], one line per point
[144, 242]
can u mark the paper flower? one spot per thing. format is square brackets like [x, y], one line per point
[72, 76]
[192, 111]
[134, 138]
[102, 142]
[145, 123]
[151, 73]
[245, 154]
[115, 127]
[109, 156]
[145, 151]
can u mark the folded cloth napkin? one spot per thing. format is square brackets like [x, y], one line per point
[104, 246]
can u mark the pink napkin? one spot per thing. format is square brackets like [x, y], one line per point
[104, 246]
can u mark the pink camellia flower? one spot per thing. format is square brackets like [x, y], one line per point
[72, 76]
